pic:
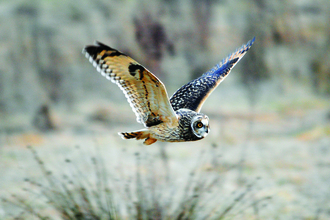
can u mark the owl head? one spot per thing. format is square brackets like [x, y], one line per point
[194, 126]
[200, 125]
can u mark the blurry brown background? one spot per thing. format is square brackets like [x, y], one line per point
[269, 118]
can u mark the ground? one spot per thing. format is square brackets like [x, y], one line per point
[277, 155]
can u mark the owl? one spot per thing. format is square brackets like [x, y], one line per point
[177, 119]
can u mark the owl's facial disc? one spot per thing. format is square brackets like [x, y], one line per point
[200, 125]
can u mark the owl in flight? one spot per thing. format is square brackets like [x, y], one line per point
[176, 119]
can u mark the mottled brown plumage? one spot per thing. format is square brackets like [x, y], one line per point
[174, 120]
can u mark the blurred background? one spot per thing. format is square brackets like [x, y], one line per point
[270, 119]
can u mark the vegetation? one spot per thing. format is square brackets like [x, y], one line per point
[269, 119]
[150, 194]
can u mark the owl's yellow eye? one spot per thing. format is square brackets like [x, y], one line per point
[199, 124]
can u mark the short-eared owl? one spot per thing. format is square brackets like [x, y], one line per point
[173, 120]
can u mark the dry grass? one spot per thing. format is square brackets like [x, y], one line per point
[152, 192]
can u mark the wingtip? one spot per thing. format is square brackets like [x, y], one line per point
[250, 42]
[89, 49]
[247, 46]
[97, 46]
[84, 50]
[102, 45]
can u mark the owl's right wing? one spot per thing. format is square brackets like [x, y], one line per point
[193, 94]
[144, 91]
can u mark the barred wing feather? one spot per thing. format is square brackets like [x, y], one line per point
[145, 93]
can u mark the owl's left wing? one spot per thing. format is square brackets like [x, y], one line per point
[193, 94]
[144, 91]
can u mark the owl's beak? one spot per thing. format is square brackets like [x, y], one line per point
[205, 120]
[207, 129]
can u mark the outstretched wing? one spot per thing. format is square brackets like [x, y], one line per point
[193, 94]
[144, 91]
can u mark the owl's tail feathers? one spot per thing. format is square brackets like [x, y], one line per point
[138, 135]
